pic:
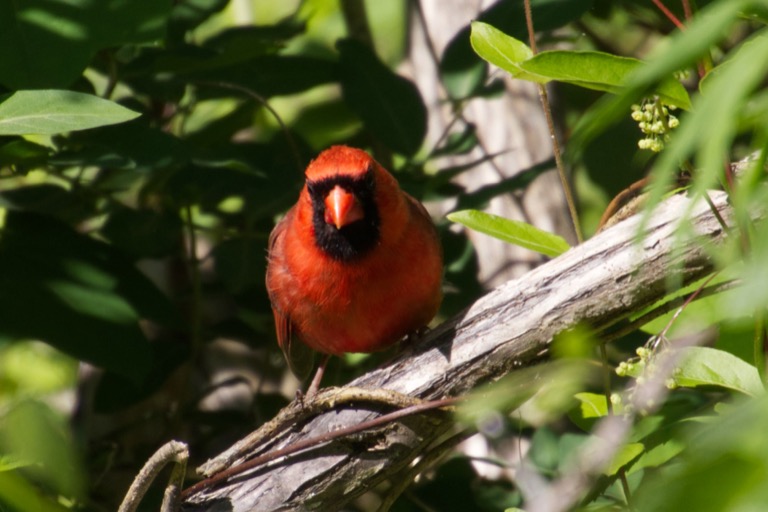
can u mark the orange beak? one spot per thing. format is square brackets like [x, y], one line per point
[342, 208]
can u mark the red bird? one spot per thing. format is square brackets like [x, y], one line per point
[354, 266]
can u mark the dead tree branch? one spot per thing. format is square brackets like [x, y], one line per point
[599, 283]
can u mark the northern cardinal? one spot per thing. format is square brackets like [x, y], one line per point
[354, 265]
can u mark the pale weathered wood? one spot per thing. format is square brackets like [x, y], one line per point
[599, 283]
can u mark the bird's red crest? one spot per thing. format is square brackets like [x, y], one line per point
[339, 160]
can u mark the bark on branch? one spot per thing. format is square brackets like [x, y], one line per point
[598, 283]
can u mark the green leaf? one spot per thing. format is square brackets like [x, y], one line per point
[50, 199]
[624, 456]
[512, 231]
[143, 233]
[704, 366]
[133, 146]
[31, 431]
[600, 71]
[51, 111]
[75, 293]
[458, 143]
[114, 391]
[723, 467]
[390, 105]
[23, 154]
[49, 44]
[658, 455]
[20, 494]
[464, 74]
[240, 264]
[502, 51]
[11, 462]
[592, 405]
[592, 70]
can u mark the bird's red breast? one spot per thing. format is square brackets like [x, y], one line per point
[356, 264]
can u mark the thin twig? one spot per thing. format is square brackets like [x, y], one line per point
[569, 199]
[172, 451]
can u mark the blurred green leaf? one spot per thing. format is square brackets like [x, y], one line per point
[723, 467]
[50, 199]
[543, 391]
[31, 431]
[143, 233]
[266, 76]
[19, 493]
[624, 456]
[390, 105]
[75, 293]
[133, 146]
[244, 42]
[34, 367]
[51, 111]
[241, 263]
[49, 44]
[115, 391]
[704, 366]
[658, 455]
[11, 462]
[23, 154]
[512, 231]
[189, 14]
[459, 142]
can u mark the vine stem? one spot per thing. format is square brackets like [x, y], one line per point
[544, 98]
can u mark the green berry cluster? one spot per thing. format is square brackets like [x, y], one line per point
[655, 121]
[642, 368]
[636, 366]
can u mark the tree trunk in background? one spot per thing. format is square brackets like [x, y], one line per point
[513, 123]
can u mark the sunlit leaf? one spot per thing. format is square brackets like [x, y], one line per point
[722, 468]
[704, 366]
[54, 111]
[512, 231]
[658, 455]
[592, 405]
[31, 431]
[593, 70]
[624, 456]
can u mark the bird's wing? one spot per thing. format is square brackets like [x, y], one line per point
[301, 358]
